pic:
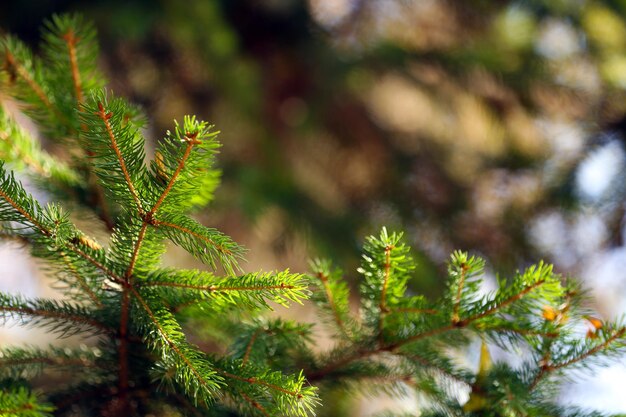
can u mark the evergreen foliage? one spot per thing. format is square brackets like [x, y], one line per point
[131, 311]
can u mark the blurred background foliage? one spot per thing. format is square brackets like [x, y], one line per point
[495, 126]
[489, 125]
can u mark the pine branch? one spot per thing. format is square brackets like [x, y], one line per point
[383, 294]
[26, 70]
[182, 177]
[457, 301]
[255, 404]
[547, 367]
[70, 38]
[27, 212]
[30, 362]
[81, 282]
[274, 343]
[106, 117]
[206, 244]
[192, 371]
[246, 355]
[133, 258]
[249, 290]
[21, 150]
[191, 139]
[58, 316]
[21, 402]
[273, 390]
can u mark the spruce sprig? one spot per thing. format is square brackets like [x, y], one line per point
[407, 343]
[134, 313]
[118, 294]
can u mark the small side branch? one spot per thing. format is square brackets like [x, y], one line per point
[33, 85]
[105, 117]
[44, 360]
[426, 363]
[217, 288]
[255, 404]
[246, 355]
[24, 213]
[81, 282]
[383, 294]
[459, 293]
[167, 339]
[70, 39]
[331, 302]
[393, 347]
[547, 368]
[58, 315]
[255, 381]
[191, 141]
[504, 303]
[183, 229]
[97, 264]
[123, 350]
[133, 259]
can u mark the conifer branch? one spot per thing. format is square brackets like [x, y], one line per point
[30, 362]
[168, 340]
[46, 360]
[133, 258]
[115, 277]
[70, 39]
[246, 355]
[413, 310]
[183, 229]
[55, 314]
[429, 364]
[394, 346]
[383, 294]
[34, 86]
[217, 288]
[81, 281]
[503, 304]
[256, 381]
[31, 163]
[254, 404]
[457, 301]
[331, 302]
[547, 368]
[105, 117]
[523, 332]
[24, 213]
[191, 141]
